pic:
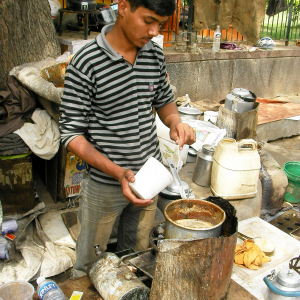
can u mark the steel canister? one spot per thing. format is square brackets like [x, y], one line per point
[114, 281]
[203, 166]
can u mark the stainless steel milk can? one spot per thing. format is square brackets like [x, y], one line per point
[202, 170]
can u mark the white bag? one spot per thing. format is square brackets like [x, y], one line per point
[55, 7]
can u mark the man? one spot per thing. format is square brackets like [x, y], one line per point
[111, 87]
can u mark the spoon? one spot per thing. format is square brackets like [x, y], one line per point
[264, 244]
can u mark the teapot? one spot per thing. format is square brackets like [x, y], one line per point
[285, 285]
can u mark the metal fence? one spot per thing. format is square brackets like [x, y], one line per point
[283, 26]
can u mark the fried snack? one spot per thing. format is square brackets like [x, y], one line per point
[249, 255]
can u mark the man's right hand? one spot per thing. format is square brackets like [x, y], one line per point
[128, 176]
[83, 149]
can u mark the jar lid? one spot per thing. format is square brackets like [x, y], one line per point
[288, 278]
[209, 148]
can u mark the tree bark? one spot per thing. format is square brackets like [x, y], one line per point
[27, 34]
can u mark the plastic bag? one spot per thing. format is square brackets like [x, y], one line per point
[55, 7]
[30, 75]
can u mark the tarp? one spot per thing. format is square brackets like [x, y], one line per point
[245, 16]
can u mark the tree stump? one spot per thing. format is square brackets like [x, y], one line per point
[27, 34]
[197, 269]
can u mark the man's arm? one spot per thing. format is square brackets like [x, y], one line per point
[83, 149]
[178, 131]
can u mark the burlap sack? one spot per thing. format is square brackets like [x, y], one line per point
[245, 16]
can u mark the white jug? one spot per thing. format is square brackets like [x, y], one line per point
[235, 169]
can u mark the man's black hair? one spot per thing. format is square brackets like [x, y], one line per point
[160, 7]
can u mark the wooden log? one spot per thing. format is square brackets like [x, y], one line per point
[194, 269]
[197, 269]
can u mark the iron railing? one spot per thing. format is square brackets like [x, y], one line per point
[284, 26]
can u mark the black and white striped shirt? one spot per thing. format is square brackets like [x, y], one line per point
[110, 102]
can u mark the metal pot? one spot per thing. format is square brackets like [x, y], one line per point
[190, 113]
[284, 286]
[171, 193]
[240, 100]
[193, 209]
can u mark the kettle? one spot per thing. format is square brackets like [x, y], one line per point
[283, 286]
[240, 100]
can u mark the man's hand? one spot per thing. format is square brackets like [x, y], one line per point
[183, 133]
[126, 177]
[178, 131]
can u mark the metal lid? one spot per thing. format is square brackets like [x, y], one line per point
[288, 278]
[208, 149]
[189, 111]
[172, 187]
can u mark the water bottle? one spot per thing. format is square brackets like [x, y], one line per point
[49, 290]
[217, 39]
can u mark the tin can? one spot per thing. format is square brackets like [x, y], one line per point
[114, 281]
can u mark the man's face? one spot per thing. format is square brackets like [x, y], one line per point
[142, 25]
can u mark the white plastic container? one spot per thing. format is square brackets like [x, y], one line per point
[211, 115]
[168, 148]
[16, 290]
[151, 179]
[235, 169]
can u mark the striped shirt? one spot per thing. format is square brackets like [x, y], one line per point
[110, 101]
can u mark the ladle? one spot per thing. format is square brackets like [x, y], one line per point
[264, 244]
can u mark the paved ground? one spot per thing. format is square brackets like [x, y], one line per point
[285, 149]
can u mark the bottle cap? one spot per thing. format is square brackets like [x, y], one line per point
[40, 279]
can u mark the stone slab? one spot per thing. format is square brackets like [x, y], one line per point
[278, 129]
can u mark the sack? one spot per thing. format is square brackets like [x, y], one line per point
[16, 105]
[275, 7]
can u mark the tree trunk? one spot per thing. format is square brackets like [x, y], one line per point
[27, 34]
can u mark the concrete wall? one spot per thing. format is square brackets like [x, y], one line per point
[208, 75]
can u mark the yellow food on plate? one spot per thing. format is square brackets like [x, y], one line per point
[249, 255]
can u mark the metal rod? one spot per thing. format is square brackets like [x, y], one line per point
[190, 19]
[289, 24]
[132, 254]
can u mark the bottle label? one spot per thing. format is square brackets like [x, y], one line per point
[218, 35]
[46, 287]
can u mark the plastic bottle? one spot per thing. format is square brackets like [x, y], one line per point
[217, 40]
[49, 290]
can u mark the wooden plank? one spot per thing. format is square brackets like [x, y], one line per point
[270, 112]
[83, 284]
[265, 100]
